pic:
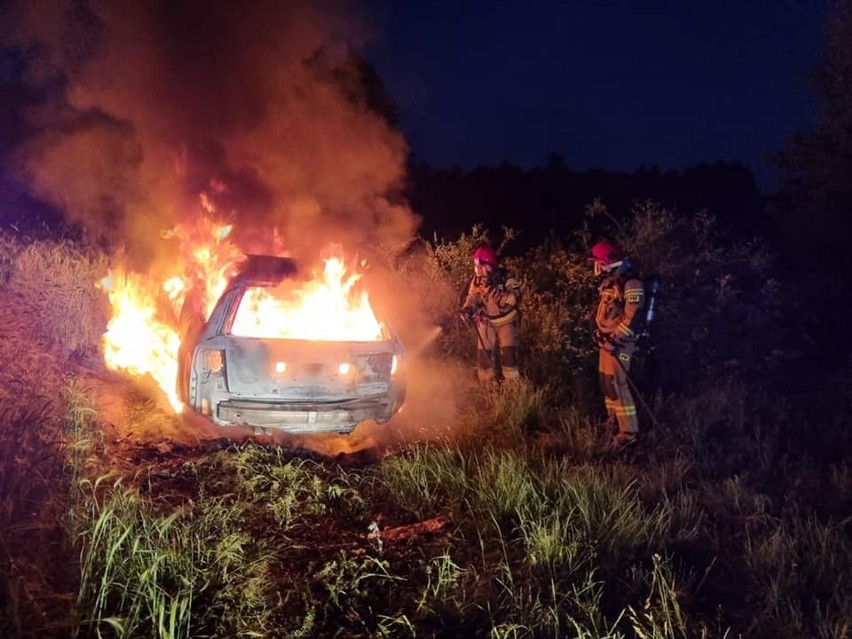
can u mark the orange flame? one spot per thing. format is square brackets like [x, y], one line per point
[142, 337]
[136, 340]
[207, 260]
[320, 310]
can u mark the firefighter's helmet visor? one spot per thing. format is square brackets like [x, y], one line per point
[601, 268]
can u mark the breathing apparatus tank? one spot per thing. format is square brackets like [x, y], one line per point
[653, 287]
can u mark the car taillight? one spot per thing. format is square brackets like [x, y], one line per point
[212, 361]
[343, 368]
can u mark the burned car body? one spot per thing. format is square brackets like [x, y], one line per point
[295, 385]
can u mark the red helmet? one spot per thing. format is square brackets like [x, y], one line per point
[485, 255]
[606, 256]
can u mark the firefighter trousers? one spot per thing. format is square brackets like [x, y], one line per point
[497, 350]
[612, 370]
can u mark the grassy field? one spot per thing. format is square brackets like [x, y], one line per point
[730, 520]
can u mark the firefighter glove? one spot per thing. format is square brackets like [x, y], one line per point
[606, 342]
[468, 315]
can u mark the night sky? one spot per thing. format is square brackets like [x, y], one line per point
[606, 83]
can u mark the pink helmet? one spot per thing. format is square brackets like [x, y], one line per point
[606, 257]
[606, 253]
[485, 255]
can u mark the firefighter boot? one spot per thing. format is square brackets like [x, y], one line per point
[509, 363]
[622, 440]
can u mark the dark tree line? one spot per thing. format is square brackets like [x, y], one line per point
[550, 200]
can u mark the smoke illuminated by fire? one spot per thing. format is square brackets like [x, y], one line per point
[267, 105]
[143, 335]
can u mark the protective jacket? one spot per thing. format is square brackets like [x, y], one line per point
[618, 316]
[618, 320]
[492, 302]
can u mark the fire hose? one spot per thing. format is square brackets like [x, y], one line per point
[602, 339]
[634, 388]
[470, 320]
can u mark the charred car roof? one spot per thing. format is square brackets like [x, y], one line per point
[266, 270]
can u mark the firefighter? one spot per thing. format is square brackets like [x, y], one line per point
[491, 304]
[617, 320]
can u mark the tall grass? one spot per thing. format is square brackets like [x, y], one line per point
[155, 574]
[37, 575]
[425, 479]
[804, 563]
[286, 488]
[154, 570]
[546, 532]
[155, 563]
[517, 407]
[56, 282]
[662, 616]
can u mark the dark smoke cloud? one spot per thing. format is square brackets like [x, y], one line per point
[146, 104]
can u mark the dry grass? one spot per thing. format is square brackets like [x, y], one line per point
[55, 281]
[37, 574]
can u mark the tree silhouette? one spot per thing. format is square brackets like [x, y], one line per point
[814, 206]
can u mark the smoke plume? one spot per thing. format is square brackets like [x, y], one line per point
[262, 106]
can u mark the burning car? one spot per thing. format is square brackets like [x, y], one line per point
[277, 354]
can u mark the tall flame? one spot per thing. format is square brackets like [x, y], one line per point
[142, 338]
[136, 340]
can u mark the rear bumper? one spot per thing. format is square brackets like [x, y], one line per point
[304, 417]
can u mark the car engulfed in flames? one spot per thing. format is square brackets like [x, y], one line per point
[255, 362]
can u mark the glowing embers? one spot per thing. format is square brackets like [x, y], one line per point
[327, 308]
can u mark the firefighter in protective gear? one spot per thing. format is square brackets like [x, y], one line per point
[491, 304]
[617, 320]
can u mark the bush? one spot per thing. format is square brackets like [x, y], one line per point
[719, 310]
